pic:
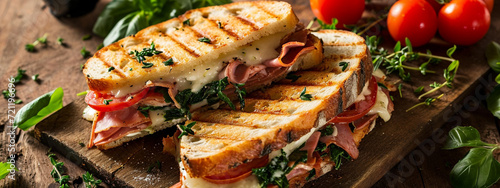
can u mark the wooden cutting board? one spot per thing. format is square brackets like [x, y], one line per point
[66, 132]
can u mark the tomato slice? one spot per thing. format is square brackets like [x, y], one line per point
[238, 173]
[359, 109]
[107, 103]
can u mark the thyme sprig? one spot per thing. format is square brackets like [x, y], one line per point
[427, 102]
[396, 62]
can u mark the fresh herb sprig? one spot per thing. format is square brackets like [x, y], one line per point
[90, 181]
[58, 172]
[396, 61]
[479, 167]
[84, 52]
[427, 102]
[278, 165]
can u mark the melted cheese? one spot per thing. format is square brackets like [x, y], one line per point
[363, 93]
[380, 106]
[200, 75]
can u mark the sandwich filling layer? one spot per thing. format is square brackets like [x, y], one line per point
[327, 144]
[122, 113]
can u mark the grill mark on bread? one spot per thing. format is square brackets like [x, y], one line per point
[266, 11]
[117, 71]
[222, 28]
[200, 35]
[181, 45]
[247, 22]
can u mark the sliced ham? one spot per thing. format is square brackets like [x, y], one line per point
[172, 90]
[300, 169]
[290, 52]
[127, 117]
[238, 72]
[310, 145]
[111, 126]
[343, 139]
[364, 121]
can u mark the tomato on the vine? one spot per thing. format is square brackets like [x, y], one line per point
[464, 22]
[412, 19]
[346, 12]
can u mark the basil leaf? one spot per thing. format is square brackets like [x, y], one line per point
[464, 137]
[36, 110]
[477, 169]
[493, 56]
[5, 169]
[115, 11]
[493, 102]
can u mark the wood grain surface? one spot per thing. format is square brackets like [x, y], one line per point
[392, 144]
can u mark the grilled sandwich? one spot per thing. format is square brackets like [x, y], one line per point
[155, 78]
[294, 131]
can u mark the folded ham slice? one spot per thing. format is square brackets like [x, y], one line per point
[111, 126]
[344, 139]
[294, 45]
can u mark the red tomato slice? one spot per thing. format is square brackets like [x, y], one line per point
[359, 109]
[97, 100]
[238, 173]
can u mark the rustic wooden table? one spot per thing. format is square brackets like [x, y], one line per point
[59, 66]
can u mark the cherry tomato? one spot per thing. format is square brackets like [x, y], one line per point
[412, 19]
[347, 12]
[97, 100]
[238, 173]
[359, 109]
[464, 22]
[435, 5]
[489, 4]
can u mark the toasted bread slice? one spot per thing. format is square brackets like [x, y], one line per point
[228, 28]
[277, 116]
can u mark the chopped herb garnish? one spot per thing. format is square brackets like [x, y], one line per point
[18, 101]
[241, 93]
[219, 25]
[111, 68]
[204, 39]
[327, 131]
[292, 77]
[20, 75]
[84, 52]
[304, 96]
[87, 37]
[31, 47]
[274, 173]
[419, 89]
[169, 62]
[106, 102]
[186, 22]
[344, 65]
[145, 109]
[312, 173]
[337, 154]
[34, 77]
[147, 65]
[146, 52]
[130, 69]
[6, 93]
[186, 130]
[60, 41]
[381, 85]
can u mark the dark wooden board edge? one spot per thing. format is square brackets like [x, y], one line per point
[124, 166]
